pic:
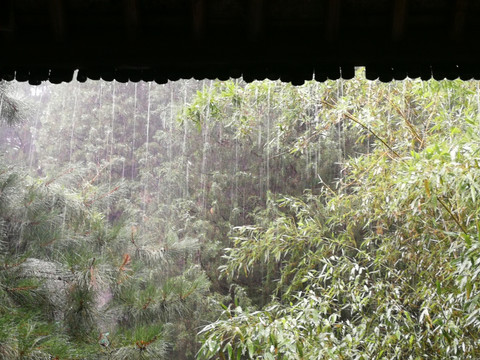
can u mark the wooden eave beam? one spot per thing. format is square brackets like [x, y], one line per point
[255, 19]
[333, 20]
[399, 19]
[198, 8]
[57, 19]
[6, 20]
[131, 18]
[459, 20]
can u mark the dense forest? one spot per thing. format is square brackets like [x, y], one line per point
[233, 220]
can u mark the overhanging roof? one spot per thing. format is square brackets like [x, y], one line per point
[288, 39]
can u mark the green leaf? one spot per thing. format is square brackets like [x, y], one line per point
[229, 350]
[251, 351]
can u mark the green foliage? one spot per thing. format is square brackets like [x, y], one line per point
[385, 265]
[101, 210]
[12, 109]
[143, 343]
[348, 210]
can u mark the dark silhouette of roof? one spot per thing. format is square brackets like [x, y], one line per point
[164, 40]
